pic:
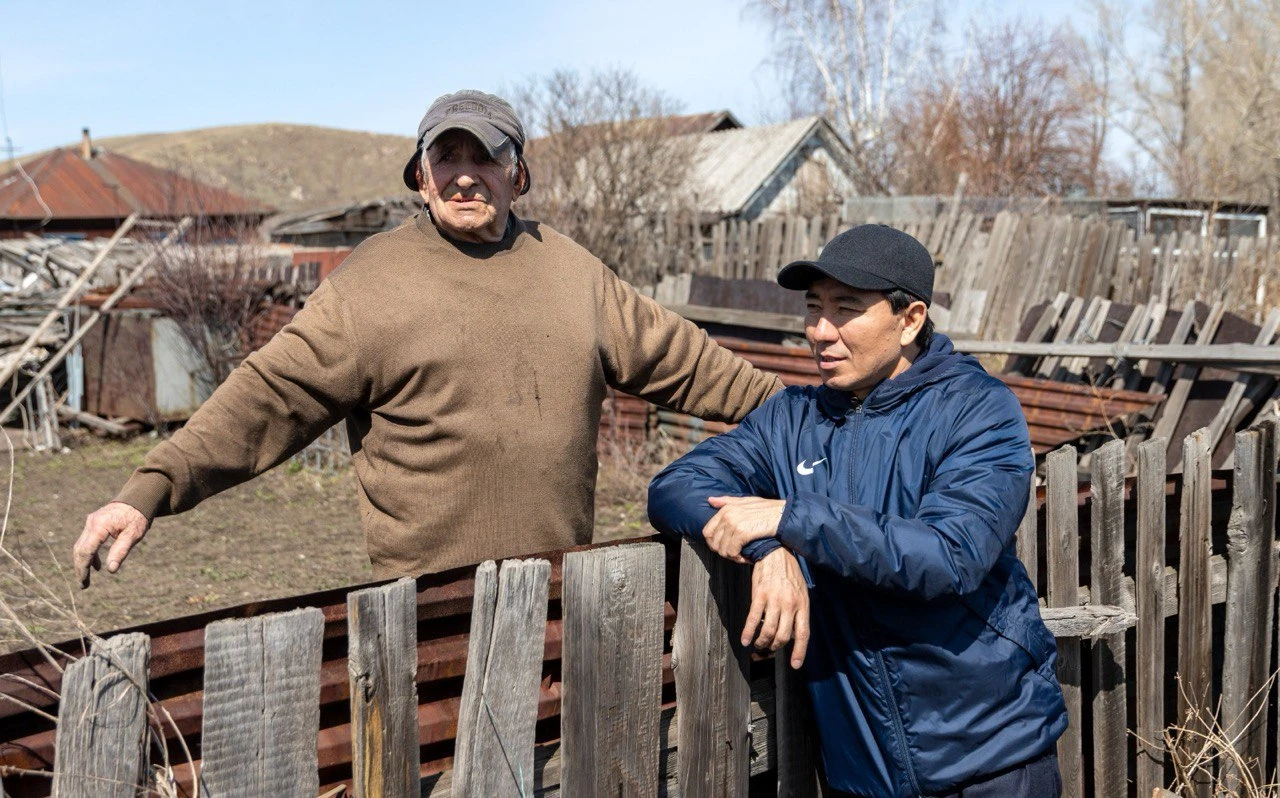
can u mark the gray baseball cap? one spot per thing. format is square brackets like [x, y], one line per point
[490, 119]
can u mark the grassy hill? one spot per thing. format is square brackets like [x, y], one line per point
[288, 167]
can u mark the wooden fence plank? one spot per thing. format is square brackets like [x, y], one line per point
[1230, 412]
[1250, 591]
[1062, 554]
[101, 749]
[262, 705]
[1195, 652]
[1107, 586]
[499, 709]
[1029, 540]
[711, 670]
[1171, 412]
[794, 731]
[382, 663]
[1149, 578]
[612, 670]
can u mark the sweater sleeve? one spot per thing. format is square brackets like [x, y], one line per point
[966, 518]
[655, 354]
[277, 401]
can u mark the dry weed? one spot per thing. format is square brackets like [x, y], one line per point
[25, 597]
[1205, 749]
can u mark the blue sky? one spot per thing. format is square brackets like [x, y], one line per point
[125, 67]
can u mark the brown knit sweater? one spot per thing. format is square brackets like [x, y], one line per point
[471, 378]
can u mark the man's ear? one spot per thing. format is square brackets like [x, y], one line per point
[912, 321]
[522, 178]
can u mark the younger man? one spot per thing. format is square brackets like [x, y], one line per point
[892, 492]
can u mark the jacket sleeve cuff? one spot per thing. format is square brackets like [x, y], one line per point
[757, 550]
[148, 493]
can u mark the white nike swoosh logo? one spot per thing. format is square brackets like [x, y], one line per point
[805, 470]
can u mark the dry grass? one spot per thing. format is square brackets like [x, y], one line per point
[622, 486]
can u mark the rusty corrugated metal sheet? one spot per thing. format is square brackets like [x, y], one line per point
[1060, 412]
[624, 419]
[111, 186]
[1056, 412]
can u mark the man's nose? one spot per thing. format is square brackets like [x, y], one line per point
[465, 180]
[824, 330]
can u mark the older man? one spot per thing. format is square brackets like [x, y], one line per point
[886, 502]
[469, 352]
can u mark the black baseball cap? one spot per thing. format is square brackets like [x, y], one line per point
[872, 257]
[490, 119]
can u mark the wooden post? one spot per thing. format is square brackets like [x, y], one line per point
[795, 732]
[382, 665]
[262, 705]
[1106, 584]
[711, 669]
[1195, 653]
[1250, 590]
[101, 741]
[1149, 578]
[499, 709]
[612, 670]
[1062, 554]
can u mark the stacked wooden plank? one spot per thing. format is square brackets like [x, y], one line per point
[1191, 394]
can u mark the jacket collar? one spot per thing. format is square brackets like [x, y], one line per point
[934, 363]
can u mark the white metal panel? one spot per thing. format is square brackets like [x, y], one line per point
[183, 380]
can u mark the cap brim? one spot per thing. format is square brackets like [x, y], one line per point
[799, 275]
[492, 139]
[411, 170]
[489, 136]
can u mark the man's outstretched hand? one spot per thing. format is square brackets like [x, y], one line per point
[740, 520]
[779, 606]
[117, 521]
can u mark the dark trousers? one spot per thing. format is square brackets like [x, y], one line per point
[1038, 778]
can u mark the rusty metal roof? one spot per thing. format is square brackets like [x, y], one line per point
[111, 186]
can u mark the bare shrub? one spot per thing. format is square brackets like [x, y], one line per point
[212, 287]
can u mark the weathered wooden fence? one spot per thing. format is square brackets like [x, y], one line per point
[996, 269]
[1170, 575]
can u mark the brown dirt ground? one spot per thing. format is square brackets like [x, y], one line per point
[290, 531]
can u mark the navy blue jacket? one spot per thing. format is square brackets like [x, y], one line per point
[929, 664]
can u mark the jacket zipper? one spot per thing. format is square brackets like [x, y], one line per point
[900, 732]
[853, 445]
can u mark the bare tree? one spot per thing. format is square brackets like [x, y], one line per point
[1093, 81]
[1238, 92]
[853, 61]
[1157, 105]
[607, 169]
[1019, 125]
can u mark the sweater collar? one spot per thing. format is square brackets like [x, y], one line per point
[511, 240]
